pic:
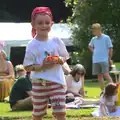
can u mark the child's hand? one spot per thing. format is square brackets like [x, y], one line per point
[61, 60]
[47, 65]
[54, 60]
[113, 109]
[50, 61]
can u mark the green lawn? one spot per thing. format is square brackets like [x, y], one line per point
[84, 114]
[93, 89]
[118, 65]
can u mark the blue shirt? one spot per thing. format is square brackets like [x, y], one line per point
[101, 47]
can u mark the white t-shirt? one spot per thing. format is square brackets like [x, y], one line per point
[72, 85]
[109, 101]
[35, 54]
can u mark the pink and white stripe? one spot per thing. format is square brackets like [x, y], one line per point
[41, 94]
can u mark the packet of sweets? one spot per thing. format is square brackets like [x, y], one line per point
[54, 58]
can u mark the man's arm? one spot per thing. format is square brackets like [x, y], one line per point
[110, 48]
[90, 48]
[110, 53]
[91, 45]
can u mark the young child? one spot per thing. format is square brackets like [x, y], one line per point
[107, 101]
[47, 76]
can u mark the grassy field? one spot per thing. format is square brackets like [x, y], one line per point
[118, 65]
[81, 114]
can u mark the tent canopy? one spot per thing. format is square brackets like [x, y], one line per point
[18, 34]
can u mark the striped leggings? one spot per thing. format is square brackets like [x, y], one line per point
[42, 93]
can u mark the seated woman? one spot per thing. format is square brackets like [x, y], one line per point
[6, 76]
[20, 96]
[75, 85]
[75, 80]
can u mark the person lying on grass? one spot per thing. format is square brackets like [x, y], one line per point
[20, 96]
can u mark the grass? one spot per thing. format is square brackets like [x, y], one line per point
[93, 89]
[7, 113]
[81, 114]
[118, 65]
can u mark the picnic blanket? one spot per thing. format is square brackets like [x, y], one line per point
[78, 103]
[73, 106]
[98, 113]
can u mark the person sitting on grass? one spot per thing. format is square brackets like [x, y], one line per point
[75, 80]
[107, 102]
[75, 86]
[6, 76]
[20, 96]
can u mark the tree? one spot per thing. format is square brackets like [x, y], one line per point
[87, 12]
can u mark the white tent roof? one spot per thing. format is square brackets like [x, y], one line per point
[22, 31]
[18, 34]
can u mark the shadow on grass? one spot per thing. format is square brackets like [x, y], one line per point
[72, 118]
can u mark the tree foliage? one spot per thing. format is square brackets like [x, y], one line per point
[87, 12]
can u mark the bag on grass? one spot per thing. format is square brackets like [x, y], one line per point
[70, 98]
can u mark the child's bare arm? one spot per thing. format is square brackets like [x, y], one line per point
[30, 68]
[91, 45]
[38, 67]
